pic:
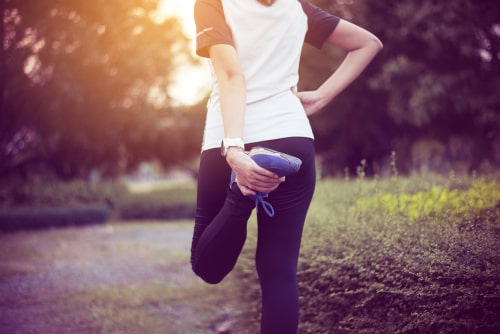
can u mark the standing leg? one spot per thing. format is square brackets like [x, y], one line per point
[279, 240]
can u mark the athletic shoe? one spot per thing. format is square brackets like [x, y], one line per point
[277, 162]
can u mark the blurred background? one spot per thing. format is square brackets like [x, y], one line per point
[97, 90]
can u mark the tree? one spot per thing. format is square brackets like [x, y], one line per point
[437, 77]
[78, 78]
[355, 126]
[444, 59]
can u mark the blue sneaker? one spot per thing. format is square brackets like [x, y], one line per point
[277, 162]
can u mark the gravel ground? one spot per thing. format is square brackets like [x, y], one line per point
[116, 278]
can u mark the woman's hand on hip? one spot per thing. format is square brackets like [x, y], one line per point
[312, 101]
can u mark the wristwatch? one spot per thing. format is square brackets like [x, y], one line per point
[231, 142]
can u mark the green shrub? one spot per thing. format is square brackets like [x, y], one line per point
[49, 194]
[438, 201]
[19, 219]
[366, 268]
[173, 202]
[176, 201]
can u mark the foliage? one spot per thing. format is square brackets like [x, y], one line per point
[35, 204]
[50, 194]
[175, 202]
[436, 79]
[77, 79]
[435, 85]
[372, 271]
[19, 219]
[438, 202]
[77, 82]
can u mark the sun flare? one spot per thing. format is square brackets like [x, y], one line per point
[182, 9]
[191, 82]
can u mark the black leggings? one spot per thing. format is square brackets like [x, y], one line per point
[220, 230]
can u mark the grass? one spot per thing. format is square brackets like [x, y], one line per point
[372, 263]
[152, 308]
[397, 255]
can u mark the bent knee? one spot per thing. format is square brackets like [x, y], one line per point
[209, 277]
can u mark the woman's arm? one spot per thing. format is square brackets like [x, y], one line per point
[232, 92]
[232, 88]
[362, 47]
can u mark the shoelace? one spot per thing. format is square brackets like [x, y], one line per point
[259, 198]
[268, 208]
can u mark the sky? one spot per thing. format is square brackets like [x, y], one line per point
[192, 83]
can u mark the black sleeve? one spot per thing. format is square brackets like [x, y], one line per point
[320, 24]
[211, 27]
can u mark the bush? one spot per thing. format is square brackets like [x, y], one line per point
[438, 201]
[19, 219]
[31, 195]
[173, 202]
[367, 269]
[176, 201]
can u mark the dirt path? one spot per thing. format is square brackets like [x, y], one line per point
[117, 278]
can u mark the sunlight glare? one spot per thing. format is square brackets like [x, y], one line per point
[182, 9]
[191, 81]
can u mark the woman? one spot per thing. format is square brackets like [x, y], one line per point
[254, 48]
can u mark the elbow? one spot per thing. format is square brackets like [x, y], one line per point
[376, 44]
[232, 77]
[380, 45]
[237, 76]
[371, 45]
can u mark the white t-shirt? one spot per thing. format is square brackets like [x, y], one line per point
[268, 41]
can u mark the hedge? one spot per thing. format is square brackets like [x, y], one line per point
[19, 219]
[366, 267]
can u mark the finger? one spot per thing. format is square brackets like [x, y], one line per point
[263, 173]
[264, 185]
[266, 188]
[246, 191]
[262, 180]
[250, 191]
